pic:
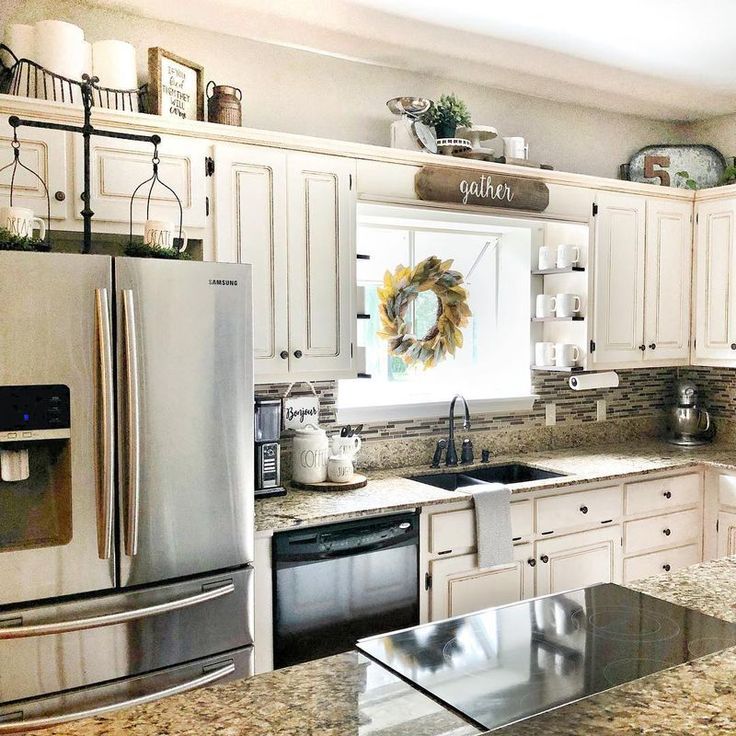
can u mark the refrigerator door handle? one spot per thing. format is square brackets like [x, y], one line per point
[115, 617]
[106, 510]
[38, 723]
[133, 422]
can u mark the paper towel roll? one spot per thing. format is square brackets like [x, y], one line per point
[58, 47]
[114, 63]
[589, 381]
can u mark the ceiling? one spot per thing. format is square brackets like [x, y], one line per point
[666, 59]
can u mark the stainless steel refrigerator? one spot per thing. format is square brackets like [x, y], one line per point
[126, 481]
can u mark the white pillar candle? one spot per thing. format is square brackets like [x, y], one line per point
[59, 47]
[114, 63]
[20, 39]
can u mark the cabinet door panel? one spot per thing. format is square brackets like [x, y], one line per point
[726, 534]
[460, 587]
[578, 560]
[667, 281]
[321, 265]
[619, 279]
[715, 275]
[250, 227]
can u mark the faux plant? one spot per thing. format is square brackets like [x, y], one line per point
[142, 250]
[690, 183]
[729, 176]
[11, 241]
[446, 114]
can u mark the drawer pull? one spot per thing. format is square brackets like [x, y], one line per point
[544, 559]
[666, 567]
[667, 494]
[607, 521]
[666, 532]
[583, 509]
[532, 562]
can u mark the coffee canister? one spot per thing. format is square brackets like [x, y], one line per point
[224, 104]
[309, 455]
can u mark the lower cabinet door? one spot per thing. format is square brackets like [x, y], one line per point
[460, 587]
[578, 560]
[726, 534]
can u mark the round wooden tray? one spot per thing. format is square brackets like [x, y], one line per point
[358, 481]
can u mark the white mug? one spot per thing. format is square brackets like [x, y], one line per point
[21, 221]
[161, 233]
[544, 353]
[567, 255]
[514, 147]
[340, 469]
[547, 258]
[567, 305]
[345, 446]
[566, 355]
[546, 305]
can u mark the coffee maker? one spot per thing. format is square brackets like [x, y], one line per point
[689, 425]
[267, 447]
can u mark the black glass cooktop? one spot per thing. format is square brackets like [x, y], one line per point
[506, 664]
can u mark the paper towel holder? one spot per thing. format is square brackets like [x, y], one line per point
[592, 381]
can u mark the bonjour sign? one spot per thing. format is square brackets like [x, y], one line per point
[469, 186]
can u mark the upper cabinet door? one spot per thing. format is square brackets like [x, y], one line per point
[322, 322]
[667, 281]
[250, 227]
[715, 278]
[119, 166]
[619, 279]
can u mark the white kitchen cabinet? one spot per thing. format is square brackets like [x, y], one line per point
[715, 301]
[45, 153]
[578, 560]
[658, 563]
[460, 587]
[119, 166]
[250, 227]
[726, 533]
[620, 228]
[667, 280]
[321, 222]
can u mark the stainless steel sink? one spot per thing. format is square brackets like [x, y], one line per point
[508, 474]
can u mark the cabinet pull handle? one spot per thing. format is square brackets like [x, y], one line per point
[284, 354]
[544, 559]
[652, 345]
[642, 348]
[733, 346]
[667, 494]
[298, 353]
[666, 567]
[532, 562]
[59, 196]
[666, 532]
[583, 509]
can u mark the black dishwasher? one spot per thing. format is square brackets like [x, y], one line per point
[338, 583]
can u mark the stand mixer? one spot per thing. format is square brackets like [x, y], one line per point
[689, 425]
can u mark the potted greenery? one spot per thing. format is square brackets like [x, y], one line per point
[12, 241]
[445, 116]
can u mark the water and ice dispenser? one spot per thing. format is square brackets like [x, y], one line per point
[35, 466]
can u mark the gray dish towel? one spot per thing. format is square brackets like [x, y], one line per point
[493, 524]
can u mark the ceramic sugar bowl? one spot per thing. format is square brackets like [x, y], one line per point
[310, 454]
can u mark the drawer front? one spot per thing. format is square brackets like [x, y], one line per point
[662, 494]
[727, 490]
[657, 563]
[584, 508]
[454, 531]
[669, 530]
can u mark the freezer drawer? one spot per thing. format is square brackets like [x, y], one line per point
[42, 712]
[122, 635]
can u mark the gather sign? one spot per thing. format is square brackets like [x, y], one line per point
[470, 186]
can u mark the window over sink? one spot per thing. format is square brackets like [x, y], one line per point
[492, 367]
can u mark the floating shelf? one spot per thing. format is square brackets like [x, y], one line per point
[559, 369]
[552, 271]
[558, 319]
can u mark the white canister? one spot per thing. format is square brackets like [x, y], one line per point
[515, 147]
[114, 63]
[59, 49]
[310, 453]
[340, 469]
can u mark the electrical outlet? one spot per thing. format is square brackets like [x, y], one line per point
[601, 410]
[550, 414]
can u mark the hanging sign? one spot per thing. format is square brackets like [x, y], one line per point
[469, 186]
[298, 411]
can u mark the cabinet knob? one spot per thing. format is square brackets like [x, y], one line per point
[667, 494]
[298, 353]
[532, 562]
[666, 532]
[583, 509]
[733, 346]
[666, 567]
[544, 559]
[284, 354]
[652, 345]
[59, 196]
[642, 348]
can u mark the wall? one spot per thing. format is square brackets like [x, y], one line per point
[719, 132]
[301, 92]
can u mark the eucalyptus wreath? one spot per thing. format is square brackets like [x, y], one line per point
[401, 288]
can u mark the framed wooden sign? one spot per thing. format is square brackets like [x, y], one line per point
[469, 186]
[176, 86]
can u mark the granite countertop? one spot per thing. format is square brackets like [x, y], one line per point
[391, 490]
[347, 695]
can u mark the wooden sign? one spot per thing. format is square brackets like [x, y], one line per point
[176, 86]
[468, 186]
[300, 411]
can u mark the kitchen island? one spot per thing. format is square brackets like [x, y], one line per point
[348, 695]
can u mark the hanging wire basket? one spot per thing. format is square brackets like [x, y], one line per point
[26, 78]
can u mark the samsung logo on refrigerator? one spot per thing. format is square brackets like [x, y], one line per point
[223, 282]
